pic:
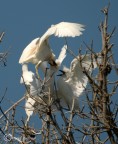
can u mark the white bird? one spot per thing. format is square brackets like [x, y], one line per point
[39, 50]
[73, 81]
[30, 80]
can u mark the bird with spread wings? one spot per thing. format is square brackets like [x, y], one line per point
[39, 49]
[73, 81]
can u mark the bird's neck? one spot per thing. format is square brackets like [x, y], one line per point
[24, 67]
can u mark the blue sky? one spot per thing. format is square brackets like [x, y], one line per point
[25, 20]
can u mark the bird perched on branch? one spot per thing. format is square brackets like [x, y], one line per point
[39, 49]
[30, 80]
[73, 81]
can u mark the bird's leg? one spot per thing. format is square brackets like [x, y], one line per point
[27, 120]
[36, 68]
[71, 117]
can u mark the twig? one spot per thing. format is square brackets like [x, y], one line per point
[71, 117]
[3, 96]
[1, 36]
[15, 104]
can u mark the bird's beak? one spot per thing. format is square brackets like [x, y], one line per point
[53, 63]
[63, 72]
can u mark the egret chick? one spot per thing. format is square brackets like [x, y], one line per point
[30, 81]
[73, 81]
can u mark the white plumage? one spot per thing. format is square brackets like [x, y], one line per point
[36, 53]
[73, 81]
[29, 108]
[27, 76]
[29, 79]
[39, 50]
[64, 29]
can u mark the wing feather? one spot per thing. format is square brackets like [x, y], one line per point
[63, 29]
[88, 62]
[28, 52]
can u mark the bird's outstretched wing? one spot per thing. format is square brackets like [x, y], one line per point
[62, 55]
[64, 29]
[84, 61]
[89, 62]
[67, 29]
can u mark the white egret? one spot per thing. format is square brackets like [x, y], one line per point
[30, 80]
[73, 81]
[39, 50]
